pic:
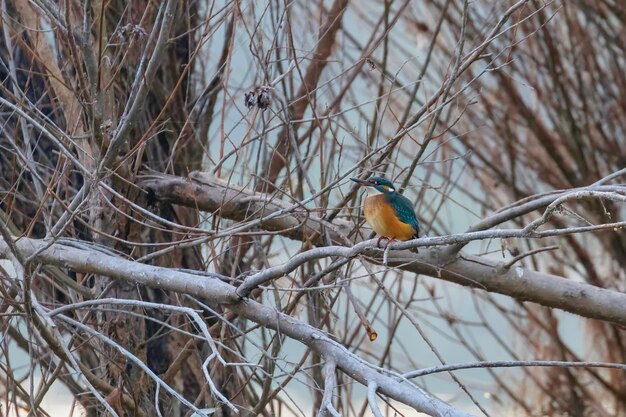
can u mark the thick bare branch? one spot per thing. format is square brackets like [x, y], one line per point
[520, 283]
[217, 292]
[210, 194]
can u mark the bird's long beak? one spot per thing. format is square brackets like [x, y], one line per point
[361, 182]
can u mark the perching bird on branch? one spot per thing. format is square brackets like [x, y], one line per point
[388, 212]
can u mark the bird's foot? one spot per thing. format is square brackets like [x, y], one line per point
[386, 252]
[389, 242]
[380, 238]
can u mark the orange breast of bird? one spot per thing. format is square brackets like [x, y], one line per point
[383, 219]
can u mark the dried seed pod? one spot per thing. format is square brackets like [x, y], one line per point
[260, 97]
[264, 98]
[250, 99]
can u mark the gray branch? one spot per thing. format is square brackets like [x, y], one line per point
[213, 195]
[217, 292]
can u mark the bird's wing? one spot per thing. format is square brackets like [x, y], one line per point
[404, 211]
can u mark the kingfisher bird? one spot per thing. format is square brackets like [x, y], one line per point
[388, 212]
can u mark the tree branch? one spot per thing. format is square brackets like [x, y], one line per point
[325, 43]
[511, 364]
[207, 193]
[216, 292]
[523, 284]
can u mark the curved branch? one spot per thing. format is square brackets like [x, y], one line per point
[217, 292]
[330, 382]
[511, 364]
[371, 399]
[577, 195]
[207, 193]
[530, 204]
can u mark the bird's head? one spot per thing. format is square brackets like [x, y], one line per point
[376, 183]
